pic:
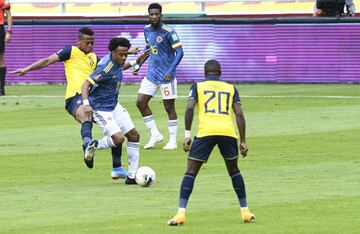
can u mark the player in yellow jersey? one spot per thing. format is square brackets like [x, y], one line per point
[218, 101]
[79, 62]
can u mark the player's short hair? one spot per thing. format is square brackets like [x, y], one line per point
[85, 31]
[118, 41]
[155, 6]
[212, 67]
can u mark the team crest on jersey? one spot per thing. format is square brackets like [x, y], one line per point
[91, 61]
[159, 39]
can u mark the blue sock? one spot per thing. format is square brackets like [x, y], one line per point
[86, 134]
[116, 156]
[239, 187]
[186, 188]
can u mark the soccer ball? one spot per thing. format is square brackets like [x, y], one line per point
[145, 176]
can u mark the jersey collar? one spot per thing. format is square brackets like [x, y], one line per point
[156, 28]
[213, 77]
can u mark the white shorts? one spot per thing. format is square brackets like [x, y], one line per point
[168, 91]
[115, 121]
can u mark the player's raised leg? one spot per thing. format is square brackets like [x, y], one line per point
[113, 139]
[74, 106]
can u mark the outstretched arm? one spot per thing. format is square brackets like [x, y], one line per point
[134, 50]
[240, 121]
[41, 63]
[139, 60]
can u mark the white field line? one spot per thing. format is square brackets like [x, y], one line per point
[180, 96]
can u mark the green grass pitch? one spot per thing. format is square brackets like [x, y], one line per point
[302, 172]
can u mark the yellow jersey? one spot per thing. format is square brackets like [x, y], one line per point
[78, 67]
[215, 99]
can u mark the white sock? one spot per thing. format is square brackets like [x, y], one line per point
[150, 124]
[172, 125]
[133, 152]
[105, 143]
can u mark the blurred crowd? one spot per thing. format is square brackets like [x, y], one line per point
[329, 8]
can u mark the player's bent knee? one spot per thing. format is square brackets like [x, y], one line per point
[133, 135]
[80, 115]
[141, 104]
[118, 138]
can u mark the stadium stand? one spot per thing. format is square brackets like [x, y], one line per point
[136, 8]
[261, 45]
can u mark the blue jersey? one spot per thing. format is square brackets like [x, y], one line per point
[163, 41]
[106, 80]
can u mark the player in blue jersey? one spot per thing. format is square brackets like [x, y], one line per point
[166, 54]
[79, 62]
[217, 102]
[100, 97]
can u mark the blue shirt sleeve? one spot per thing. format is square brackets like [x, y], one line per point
[99, 75]
[193, 92]
[236, 96]
[64, 53]
[174, 40]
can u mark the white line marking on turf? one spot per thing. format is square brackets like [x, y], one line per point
[302, 96]
[180, 96]
[33, 96]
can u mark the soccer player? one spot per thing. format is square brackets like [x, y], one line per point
[79, 62]
[4, 39]
[166, 54]
[100, 99]
[217, 101]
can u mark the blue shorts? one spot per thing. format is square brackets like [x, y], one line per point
[73, 103]
[202, 147]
